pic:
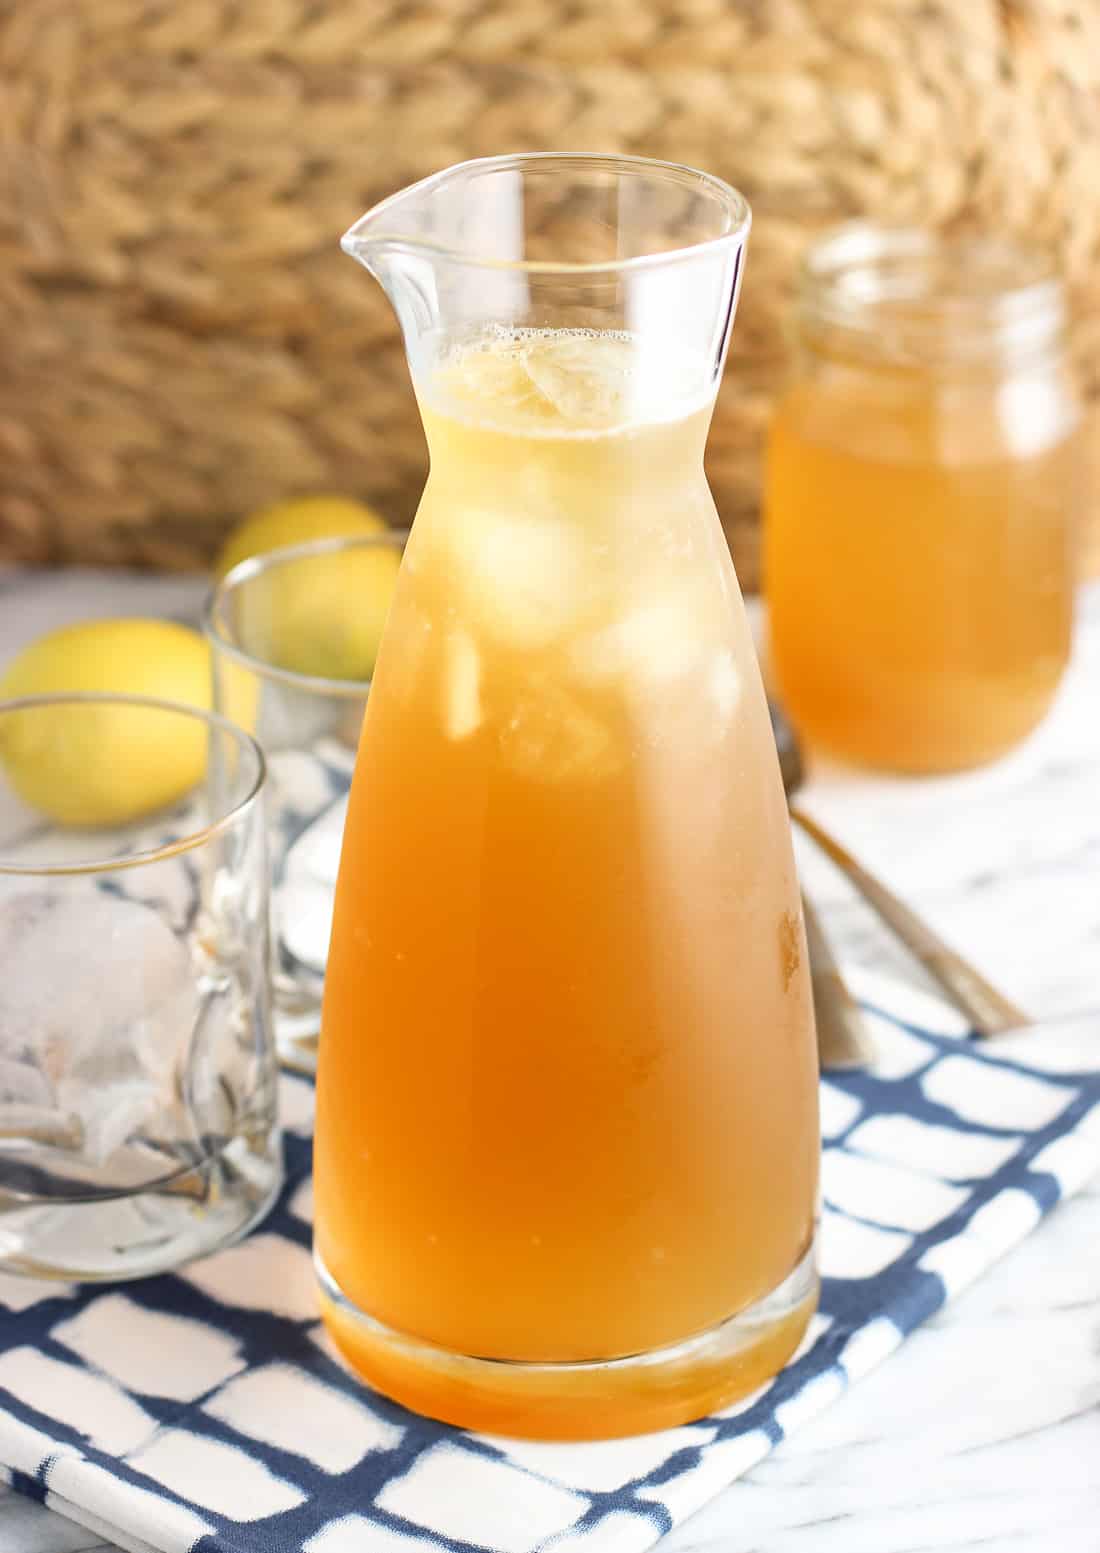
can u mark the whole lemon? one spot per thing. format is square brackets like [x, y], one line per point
[325, 614]
[295, 523]
[100, 764]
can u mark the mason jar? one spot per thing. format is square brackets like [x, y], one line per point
[921, 499]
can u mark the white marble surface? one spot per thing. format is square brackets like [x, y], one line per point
[985, 1429]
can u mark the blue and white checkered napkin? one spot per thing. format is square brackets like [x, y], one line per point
[206, 1409]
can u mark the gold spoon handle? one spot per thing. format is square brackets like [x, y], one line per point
[989, 1012]
[842, 1038]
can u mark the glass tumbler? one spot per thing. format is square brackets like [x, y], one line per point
[137, 1067]
[293, 638]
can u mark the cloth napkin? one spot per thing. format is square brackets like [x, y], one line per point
[206, 1409]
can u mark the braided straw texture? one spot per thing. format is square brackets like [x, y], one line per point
[181, 339]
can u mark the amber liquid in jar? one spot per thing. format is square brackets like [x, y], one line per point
[919, 503]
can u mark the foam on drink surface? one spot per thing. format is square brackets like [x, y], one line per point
[566, 382]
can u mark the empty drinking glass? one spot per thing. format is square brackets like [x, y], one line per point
[293, 635]
[137, 1068]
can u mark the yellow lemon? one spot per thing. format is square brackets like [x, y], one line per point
[295, 523]
[326, 613]
[104, 765]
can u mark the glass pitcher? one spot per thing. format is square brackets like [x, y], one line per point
[567, 1136]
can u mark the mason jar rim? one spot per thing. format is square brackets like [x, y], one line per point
[882, 289]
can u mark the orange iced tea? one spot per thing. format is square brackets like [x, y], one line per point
[567, 1099]
[921, 498]
[919, 576]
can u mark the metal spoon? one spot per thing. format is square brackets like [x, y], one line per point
[842, 1037]
[988, 1011]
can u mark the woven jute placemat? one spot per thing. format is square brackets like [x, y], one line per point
[181, 340]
